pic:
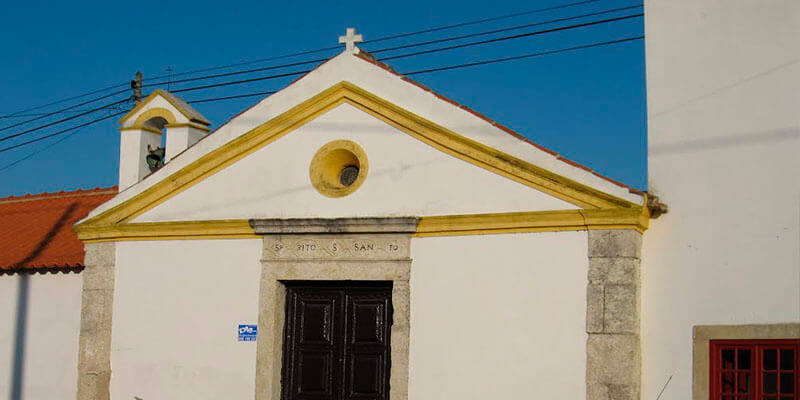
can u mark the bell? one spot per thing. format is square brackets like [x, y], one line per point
[155, 159]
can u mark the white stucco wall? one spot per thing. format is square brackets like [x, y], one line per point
[724, 145]
[406, 177]
[51, 335]
[177, 305]
[499, 316]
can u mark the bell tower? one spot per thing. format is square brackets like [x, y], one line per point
[161, 113]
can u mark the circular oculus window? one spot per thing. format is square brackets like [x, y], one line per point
[338, 168]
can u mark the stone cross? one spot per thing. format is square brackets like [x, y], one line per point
[350, 40]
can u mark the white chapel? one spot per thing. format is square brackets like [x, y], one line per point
[379, 240]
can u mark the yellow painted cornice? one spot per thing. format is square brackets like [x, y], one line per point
[344, 92]
[442, 225]
[223, 229]
[536, 221]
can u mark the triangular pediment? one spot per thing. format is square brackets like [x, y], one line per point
[148, 200]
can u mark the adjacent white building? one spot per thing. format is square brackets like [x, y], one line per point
[723, 99]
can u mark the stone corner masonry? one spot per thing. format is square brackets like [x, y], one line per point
[613, 309]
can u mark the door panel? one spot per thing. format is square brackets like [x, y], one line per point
[337, 341]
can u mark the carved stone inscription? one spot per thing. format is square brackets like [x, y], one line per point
[338, 247]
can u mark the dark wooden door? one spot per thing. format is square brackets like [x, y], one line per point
[337, 341]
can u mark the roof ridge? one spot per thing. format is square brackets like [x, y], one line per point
[59, 195]
[372, 60]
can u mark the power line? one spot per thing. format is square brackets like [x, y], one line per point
[498, 60]
[261, 78]
[61, 131]
[541, 32]
[312, 61]
[238, 96]
[319, 50]
[63, 100]
[430, 70]
[247, 63]
[480, 21]
[61, 110]
[319, 60]
[47, 125]
[502, 30]
[381, 39]
[521, 35]
[39, 114]
[43, 149]
[239, 72]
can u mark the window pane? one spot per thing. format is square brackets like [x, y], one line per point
[727, 359]
[787, 359]
[770, 383]
[744, 382]
[727, 382]
[744, 359]
[787, 383]
[771, 359]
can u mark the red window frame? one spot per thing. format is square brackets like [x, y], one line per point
[752, 383]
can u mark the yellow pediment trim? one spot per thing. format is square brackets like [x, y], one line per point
[344, 92]
[443, 225]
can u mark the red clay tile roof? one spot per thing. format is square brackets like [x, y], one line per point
[36, 230]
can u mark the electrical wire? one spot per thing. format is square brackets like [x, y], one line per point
[319, 60]
[41, 150]
[14, 114]
[521, 35]
[39, 114]
[482, 42]
[394, 57]
[238, 96]
[480, 21]
[542, 53]
[319, 50]
[450, 39]
[239, 82]
[49, 124]
[424, 71]
[381, 39]
[94, 121]
[61, 110]
[238, 72]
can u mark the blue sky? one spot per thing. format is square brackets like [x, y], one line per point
[587, 105]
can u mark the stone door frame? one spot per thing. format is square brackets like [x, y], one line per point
[364, 249]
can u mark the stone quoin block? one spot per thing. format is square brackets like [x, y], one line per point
[615, 243]
[614, 270]
[595, 303]
[620, 309]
